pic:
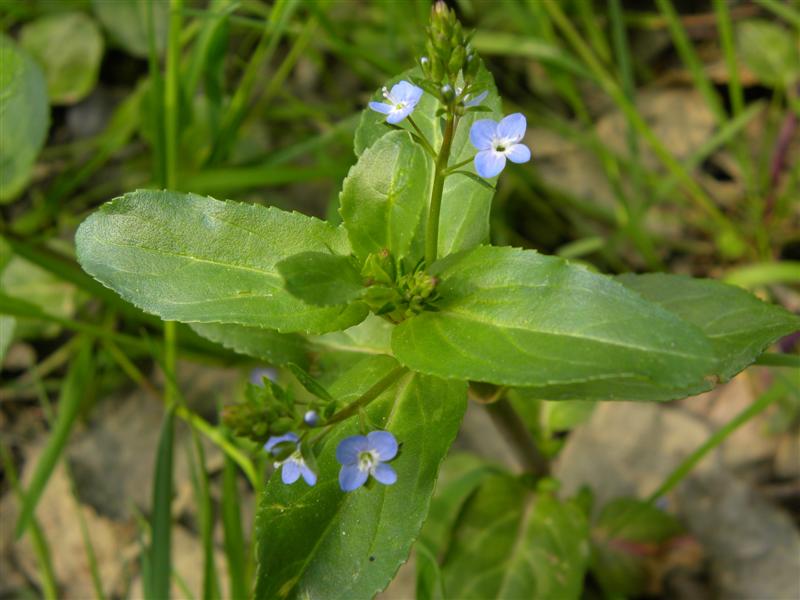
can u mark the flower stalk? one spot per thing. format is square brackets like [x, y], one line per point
[435, 207]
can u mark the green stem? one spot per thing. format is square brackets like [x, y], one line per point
[456, 166]
[509, 422]
[432, 232]
[422, 138]
[362, 401]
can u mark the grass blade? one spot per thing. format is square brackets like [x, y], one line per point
[689, 57]
[40, 546]
[70, 402]
[205, 517]
[232, 528]
[159, 555]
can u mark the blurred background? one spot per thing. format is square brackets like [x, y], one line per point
[665, 137]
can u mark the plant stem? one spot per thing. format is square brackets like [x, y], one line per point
[362, 401]
[508, 421]
[432, 232]
[422, 137]
[452, 168]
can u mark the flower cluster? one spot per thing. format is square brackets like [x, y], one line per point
[495, 141]
[361, 456]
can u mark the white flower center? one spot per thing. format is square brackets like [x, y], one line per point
[502, 145]
[367, 460]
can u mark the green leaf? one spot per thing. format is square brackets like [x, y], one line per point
[429, 575]
[311, 385]
[625, 533]
[69, 47]
[460, 477]
[371, 336]
[73, 392]
[770, 51]
[24, 117]
[128, 23]
[635, 521]
[384, 200]
[194, 259]
[515, 317]
[266, 344]
[24, 279]
[7, 326]
[464, 219]
[320, 542]
[321, 279]
[513, 543]
[739, 325]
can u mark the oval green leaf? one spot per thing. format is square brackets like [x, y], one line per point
[319, 542]
[384, 200]
[739, 325]
[128, 22]
[194, 259]
[69, 47]
[513, 543]
[515, 317]
[24, 117]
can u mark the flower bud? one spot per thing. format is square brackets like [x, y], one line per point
[311, 418]
[447, 92]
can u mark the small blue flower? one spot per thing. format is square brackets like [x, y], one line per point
[294, 466]
[496, 142]
[403, 98]
[365, 455]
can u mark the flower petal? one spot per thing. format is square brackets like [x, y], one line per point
[290, 471]
[403, 91]
[398, 115]
[385, 474]
[518, 153]
[512, 127]
[308, 475]
[381, 107]
[489, 163]
[277, 439]
[477, 99]
[351, 478]
[348, 449]
[481, 133]
[384, 443]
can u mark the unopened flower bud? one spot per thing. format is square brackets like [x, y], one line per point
[447, 92]
[311, 418]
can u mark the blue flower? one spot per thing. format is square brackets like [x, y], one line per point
[403, 98]
[496, 142]
[365, 455]
[294, 466]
